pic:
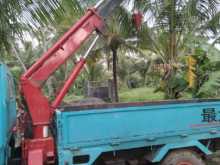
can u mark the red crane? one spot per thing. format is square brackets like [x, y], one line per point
[40, 148]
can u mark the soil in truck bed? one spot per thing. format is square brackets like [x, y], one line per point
[93, 103]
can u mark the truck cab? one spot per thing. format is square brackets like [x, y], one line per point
[7, 111]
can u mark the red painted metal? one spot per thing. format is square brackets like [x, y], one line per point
[86, 20]
[40, 148]
[75, 72]
[35, 157]
[184, 163]
[37, 103]
[64, 48]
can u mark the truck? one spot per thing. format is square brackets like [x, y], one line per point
[173, 132]
[7, 112]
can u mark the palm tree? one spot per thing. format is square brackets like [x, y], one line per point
[114, 36]
[14, 12]
[19, 15]
[170, 23]
[167, 27]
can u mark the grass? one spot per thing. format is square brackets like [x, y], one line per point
[140, 94]
[127, 95]
[133, 95]
[72, 98]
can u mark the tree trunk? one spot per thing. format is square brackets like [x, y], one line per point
[115, 80]
[172, 31]
[172, 56]
[173, 48]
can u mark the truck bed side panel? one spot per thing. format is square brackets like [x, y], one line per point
[156, 124]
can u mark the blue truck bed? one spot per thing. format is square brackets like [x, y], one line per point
[93, 130]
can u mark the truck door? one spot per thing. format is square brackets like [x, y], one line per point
[11, 103]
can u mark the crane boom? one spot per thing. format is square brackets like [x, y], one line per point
[31, 82]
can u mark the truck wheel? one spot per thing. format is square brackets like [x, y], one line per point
[183, 157]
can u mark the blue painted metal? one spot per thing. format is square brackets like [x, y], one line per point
[94, 131]
[7, 111]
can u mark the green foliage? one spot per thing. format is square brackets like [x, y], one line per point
[9, 25]
[171, 29]
[208, 69]
[95, 73]
[140, 94]
[210, 89]
[72, 10]
[173, 86]
[15, 15]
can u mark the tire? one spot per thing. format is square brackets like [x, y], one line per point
[183, 157]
